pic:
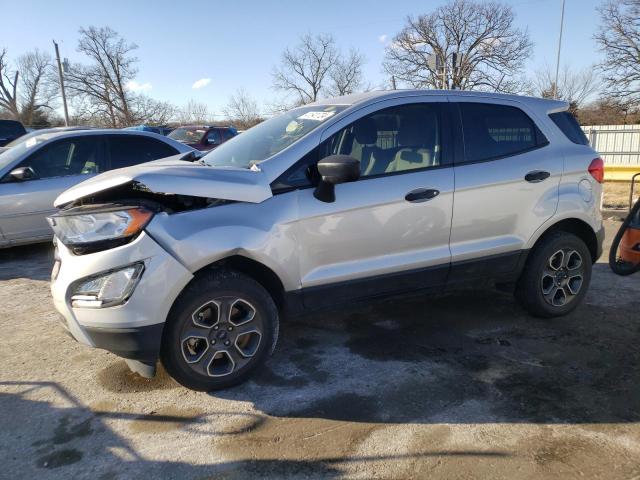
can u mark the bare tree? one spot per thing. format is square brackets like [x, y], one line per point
[490, 50]
[37, 86]
[194, 112]
[619, 40]
[29, 89]
[103, 82]
[8, 87]
[242, 109]
[574, 86]
[316, 67]
[346, 75]
[304, 68]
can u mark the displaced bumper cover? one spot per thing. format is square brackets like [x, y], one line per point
[132, 330]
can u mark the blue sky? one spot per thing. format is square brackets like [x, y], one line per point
[236, 44]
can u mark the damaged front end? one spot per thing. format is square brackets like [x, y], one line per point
[113, 208]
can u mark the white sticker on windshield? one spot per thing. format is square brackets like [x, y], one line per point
[317, 116]
[30, 143]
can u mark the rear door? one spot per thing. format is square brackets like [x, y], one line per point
[388, 231]
[507, 179]
[58, 165]
[128, 150]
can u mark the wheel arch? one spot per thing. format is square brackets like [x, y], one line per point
[577, 227]
[261, 273]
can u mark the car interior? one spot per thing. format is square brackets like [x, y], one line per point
[397, 139]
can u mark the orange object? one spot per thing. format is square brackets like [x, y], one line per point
[630, 245]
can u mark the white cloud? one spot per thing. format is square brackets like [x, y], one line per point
[382, 38]
[203, 82]
[137, 87]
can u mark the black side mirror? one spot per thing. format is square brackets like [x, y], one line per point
[22, 173]
[333, 170]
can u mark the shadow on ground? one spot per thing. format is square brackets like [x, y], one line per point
[73, 433]
[469, 357]
[29, 261]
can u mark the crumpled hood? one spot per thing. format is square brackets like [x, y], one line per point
[174, 176]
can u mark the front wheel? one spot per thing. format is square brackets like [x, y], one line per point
[220, 330]
[556, 276]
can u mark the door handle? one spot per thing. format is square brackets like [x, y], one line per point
[536, 176]
[420, 195]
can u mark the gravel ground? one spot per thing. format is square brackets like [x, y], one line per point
[463, 385]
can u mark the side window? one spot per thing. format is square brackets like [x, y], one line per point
[396, 139]
[227, 135]
[128, 150]
[570, 127]
[73, 156]
[213, 137]
[494, 131]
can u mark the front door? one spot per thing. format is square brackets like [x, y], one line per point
[24, 205]
[389, 230]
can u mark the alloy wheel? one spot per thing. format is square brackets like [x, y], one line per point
[221, 336]
[562, 277]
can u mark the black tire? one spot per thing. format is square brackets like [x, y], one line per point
[535, 287]
[188, 352]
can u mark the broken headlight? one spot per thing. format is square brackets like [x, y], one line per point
[87, 229]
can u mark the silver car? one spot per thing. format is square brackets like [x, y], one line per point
[38, 168]
[342, 200]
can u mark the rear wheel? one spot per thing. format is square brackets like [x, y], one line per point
[556, 276]
[220, 330]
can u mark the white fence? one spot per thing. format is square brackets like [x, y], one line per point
[617, 144]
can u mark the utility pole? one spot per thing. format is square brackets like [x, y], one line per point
[555, 85]
[61, 77]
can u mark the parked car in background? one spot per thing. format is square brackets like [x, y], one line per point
[33, 173]
[203, 137]
[160, 130]
[10, 130]
[35, 133]
[331, 203]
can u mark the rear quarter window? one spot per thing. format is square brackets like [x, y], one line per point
[568, 124]
[493, 131]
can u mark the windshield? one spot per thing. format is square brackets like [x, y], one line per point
[270, 137]
[187, 134]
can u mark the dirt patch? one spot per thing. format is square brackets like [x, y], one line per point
[164, 420]
[295, 439]
[118, 378]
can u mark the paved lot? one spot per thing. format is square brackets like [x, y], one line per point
[460, 386]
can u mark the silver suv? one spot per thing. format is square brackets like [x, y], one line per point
[338, 201]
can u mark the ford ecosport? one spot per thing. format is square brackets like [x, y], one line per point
[338, 201]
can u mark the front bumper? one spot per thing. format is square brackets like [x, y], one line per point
[132, 330]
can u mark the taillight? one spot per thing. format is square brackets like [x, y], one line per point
[596, 169]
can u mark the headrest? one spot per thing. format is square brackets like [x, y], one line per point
[411, 156]
[365, 131]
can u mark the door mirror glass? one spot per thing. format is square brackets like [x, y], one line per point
[23, 173]
[333, 170]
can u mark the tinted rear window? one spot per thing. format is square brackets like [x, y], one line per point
[495, 131]
[570, 127]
